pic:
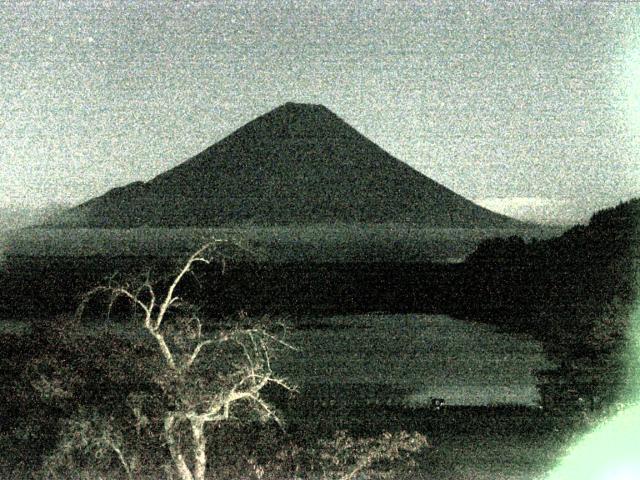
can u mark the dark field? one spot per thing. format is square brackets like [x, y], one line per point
[465, 443]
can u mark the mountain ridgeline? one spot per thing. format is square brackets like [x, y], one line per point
[298, 164]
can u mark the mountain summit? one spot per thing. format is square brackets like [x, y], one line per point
[297, 164]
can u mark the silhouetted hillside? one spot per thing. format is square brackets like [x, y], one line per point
[297, 164]
[585, 267]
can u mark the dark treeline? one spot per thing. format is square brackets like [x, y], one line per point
[577, 274]
[539, 287]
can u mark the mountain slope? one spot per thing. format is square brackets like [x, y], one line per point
[297, 164]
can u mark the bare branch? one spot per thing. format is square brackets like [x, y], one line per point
[122, 292]
[265, 333]
[246, 353]
[86, 298]
[169, 298]
[121, 458]
[174, 448]
[198, 326]
[266, 407]
[164, 348]
[283, 383]
[199, 403]
[152, 293]
[196, 352]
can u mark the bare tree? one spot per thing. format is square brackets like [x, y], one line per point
[187, 374]
[203, 375]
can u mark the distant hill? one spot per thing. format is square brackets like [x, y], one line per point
[571, 276]
[298, 164]
[13, 218]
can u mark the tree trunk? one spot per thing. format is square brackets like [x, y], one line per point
[174, 449]
[199, 448]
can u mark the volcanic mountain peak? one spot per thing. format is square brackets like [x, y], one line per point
[302, 107]
[297, 164]
[292, 121]
[305, 110]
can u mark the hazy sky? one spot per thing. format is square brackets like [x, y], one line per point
[527, 107]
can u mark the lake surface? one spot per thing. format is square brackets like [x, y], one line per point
[409, 358]
[401, 359]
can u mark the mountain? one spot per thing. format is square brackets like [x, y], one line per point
[297, 164]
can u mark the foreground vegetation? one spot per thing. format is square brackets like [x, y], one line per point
[463, 442]
[147, 402]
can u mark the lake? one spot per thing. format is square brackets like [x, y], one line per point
[401, 360]
[407, 359]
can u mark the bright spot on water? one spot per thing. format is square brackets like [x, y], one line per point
[610, 452]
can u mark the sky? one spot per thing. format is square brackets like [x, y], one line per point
[529, 108]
